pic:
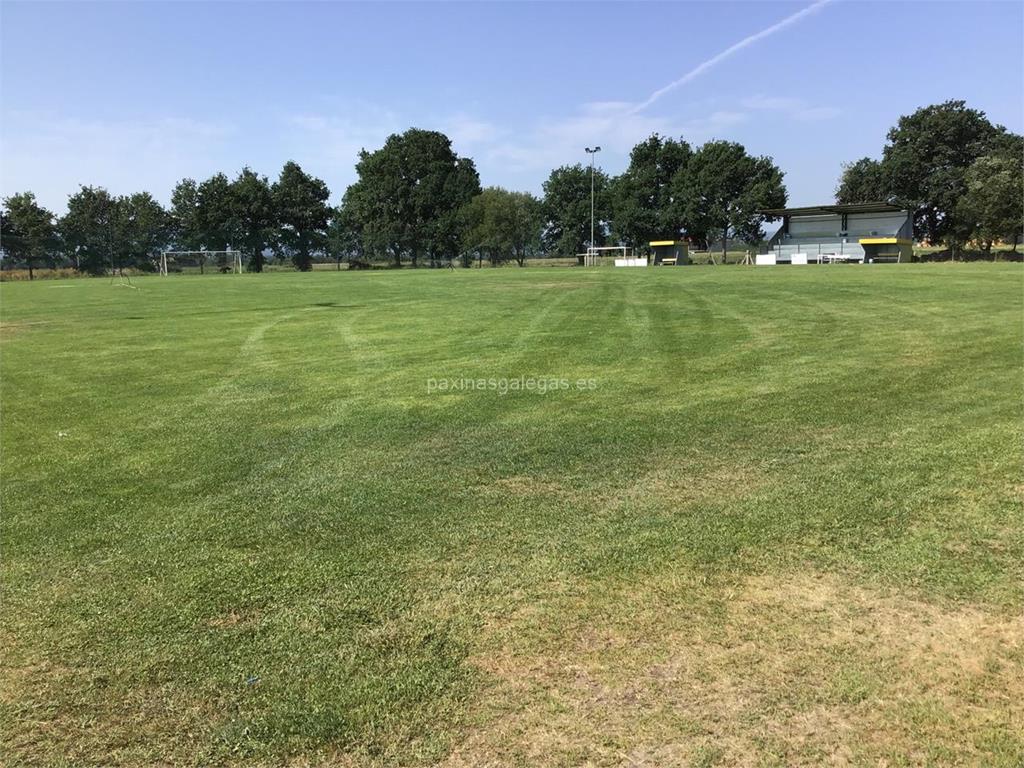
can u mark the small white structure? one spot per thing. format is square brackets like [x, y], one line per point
[625, 256]
[765, 260]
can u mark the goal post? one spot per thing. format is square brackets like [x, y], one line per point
[225, 261]
[623, 255]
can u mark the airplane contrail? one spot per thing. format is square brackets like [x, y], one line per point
[747, 41]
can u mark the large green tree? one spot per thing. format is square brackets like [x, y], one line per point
[140, 230]
[88, 229]
[215, 214]
[370, 217]
[446, 233]
[642, 199]
[302, 213]
[993, 201]
[185, 229]
[252, 220]
[926, 159]
[722, 189]
[566, 209]
[503, 225]
[924, 167]
[201, 215]
[408, 196]
[29, 231]
[344, 237]
[863, 181]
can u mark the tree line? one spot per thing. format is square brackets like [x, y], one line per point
[961, 175]
[416, 202]
[101, 232]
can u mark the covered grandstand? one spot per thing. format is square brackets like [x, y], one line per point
[853, 232]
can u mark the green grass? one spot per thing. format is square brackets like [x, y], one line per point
[783, 527]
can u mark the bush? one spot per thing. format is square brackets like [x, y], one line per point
[61, 273]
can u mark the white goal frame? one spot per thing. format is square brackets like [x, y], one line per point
[234, 256]
[592, 258]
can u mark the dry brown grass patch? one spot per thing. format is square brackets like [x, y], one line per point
[790, 670]
[10, 330]
[49, 709]
[674, 486]
[526, 485]
[664, 486]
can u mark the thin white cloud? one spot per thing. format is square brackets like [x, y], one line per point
[795, 108]
[606, 107]
[720, 119]
[554, 141]
[615, 125]
[466, 131]
[817, 113]
[704, 66]
[328, 145]
[775, 103]
[52, 155]
[559, 141]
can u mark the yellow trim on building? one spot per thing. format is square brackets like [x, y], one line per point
[661, 242]
[884, 241]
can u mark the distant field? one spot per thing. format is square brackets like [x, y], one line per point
[774, 517]
[701, 258]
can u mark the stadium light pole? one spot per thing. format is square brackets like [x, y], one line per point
[592, 152]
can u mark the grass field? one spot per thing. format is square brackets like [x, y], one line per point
[773, 518]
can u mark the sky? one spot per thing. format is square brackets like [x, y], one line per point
[135, 96]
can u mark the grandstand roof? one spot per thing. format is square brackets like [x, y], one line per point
[817, 210]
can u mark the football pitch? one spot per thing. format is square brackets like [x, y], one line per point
[697, 516]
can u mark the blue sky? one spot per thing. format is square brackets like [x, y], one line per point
[137, 96]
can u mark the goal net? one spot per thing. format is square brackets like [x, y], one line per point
[200, 261]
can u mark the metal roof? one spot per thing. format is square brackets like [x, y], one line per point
[817, 210]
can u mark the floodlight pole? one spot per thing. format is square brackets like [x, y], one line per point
[592, 152]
